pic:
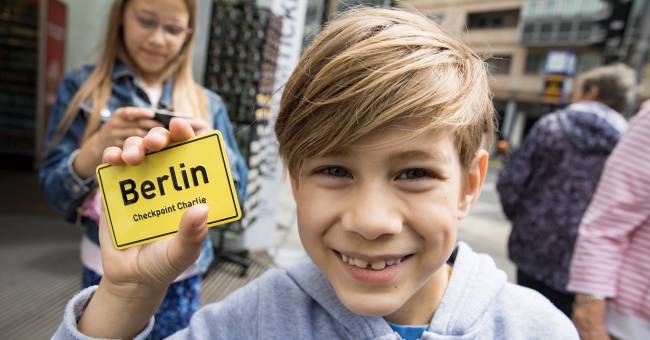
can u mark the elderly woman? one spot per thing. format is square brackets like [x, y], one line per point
[547, 185]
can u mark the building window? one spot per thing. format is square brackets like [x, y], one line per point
[342, 6]
[584, 29]
[499, 64]
[498, 19]
[535, 62]
[589, 60]
[528, 32]
[545, 31]
[563, 8]
[564, 31]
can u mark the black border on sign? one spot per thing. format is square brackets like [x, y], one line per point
[108, 213]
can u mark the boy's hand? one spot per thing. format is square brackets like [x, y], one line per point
[136, 279]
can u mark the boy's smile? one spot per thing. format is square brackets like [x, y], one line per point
[373, 270]
[379, 220]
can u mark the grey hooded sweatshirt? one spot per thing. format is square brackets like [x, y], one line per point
[299, 303]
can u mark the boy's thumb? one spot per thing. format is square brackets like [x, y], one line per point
[186, 245]
[193, 223]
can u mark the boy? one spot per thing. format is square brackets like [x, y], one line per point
[380, 128]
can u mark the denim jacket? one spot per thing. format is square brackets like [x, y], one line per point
[65, 191]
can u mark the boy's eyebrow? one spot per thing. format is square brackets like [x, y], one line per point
[397, 156]
[417, 155]
[345, 152]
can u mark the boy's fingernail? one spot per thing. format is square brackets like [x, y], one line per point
[204, 215]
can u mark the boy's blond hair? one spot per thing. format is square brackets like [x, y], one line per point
[376, 68]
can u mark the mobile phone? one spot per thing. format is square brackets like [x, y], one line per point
[164, 117]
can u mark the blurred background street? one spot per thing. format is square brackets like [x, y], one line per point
[534, 50]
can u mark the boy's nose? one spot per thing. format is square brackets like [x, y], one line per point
[371, 213]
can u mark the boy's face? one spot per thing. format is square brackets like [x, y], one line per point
[379, 219]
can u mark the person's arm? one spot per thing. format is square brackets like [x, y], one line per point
[619, 206]
[62, 187]
[513, 177]
[126, 300]
[66, 174]
[136, 279]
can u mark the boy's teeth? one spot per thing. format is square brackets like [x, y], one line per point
[360, 263]
[378, 265]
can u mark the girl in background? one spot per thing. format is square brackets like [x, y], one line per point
[145, 65]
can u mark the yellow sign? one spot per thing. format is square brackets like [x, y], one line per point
[144, 203]
[553, 89]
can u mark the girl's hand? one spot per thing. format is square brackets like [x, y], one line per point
[136, 279]
[123, 123]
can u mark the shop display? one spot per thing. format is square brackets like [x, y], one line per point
[18, 67]
[243, 50]
[242, 54]
[32, 43]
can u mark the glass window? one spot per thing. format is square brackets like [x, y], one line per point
[347, 4]
[535, 62]
[564, 31]
[589, 60]
[552, 7]
[584, 30]
[565, 27]
[499, 64]
[497, 19]
[545, 31]
[528, 32]
[570, 8]
[529, 28]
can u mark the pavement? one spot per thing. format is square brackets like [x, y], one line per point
[41, 271]
[486, 229]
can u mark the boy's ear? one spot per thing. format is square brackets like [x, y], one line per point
[474, 179]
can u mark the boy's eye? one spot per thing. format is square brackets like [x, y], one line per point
[414, 174]
[335, 171]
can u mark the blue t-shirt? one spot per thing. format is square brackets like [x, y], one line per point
[409, 332]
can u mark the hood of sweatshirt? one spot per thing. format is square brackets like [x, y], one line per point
[592, 126]
[473, 287]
